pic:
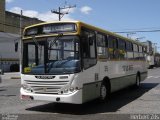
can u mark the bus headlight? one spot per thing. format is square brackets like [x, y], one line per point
[71, 89]
[26, 87]
[66, 90]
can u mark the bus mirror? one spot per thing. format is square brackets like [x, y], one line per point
[16, 46]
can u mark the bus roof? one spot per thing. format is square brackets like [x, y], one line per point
[111, 33]
[91, 27]
[45, 23]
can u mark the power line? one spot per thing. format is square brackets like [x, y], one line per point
[158, 30]
[138, 29]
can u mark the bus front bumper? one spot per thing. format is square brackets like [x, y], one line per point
[74, 98]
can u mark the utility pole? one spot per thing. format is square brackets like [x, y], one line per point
[60, 13]
[137, 39]
[20, 42]
[129, 34]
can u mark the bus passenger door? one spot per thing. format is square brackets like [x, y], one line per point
[89, 57]
[89, 64]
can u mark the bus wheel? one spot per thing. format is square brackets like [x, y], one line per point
[104, 92]
[138, 79]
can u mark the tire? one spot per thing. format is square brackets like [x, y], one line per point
[104, 92]
[138, 80]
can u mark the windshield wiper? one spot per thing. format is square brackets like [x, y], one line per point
[52, 42]
[36, 43]
[38, 46]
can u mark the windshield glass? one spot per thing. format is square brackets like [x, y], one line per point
[54, 55]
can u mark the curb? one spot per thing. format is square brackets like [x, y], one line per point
[15, 77]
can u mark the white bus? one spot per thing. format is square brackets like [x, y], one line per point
[73, 62]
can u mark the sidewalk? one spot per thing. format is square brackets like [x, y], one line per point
[11, 75]
[0, 78]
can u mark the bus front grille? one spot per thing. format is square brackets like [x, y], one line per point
[46, 87]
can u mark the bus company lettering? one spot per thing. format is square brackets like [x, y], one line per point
[45, 77]
[127, 67]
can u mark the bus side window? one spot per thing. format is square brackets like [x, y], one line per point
[115, 42]
[110, 47]
[113, 45]
[129, 49]
[85, 47]
[141, 52]
[88, 48]
[122, 49]
[101, 46]
[136, 53]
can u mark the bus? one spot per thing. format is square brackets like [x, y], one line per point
[74, 62]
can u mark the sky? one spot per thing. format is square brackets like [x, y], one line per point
[112, 15]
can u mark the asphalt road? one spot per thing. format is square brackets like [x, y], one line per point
[142, 103]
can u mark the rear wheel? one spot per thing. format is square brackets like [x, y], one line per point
[138, 79]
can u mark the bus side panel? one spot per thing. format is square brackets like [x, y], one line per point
[91, 91]
[121, 73]
[122, 82]
[89, 81]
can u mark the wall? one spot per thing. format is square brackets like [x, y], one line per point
[12, 22]
[2, 15]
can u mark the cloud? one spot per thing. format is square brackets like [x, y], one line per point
[70, 10]
[16, 10]
[9, 1]
[86, 9]
[45, 16]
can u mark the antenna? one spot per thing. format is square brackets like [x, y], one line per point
[60, 12]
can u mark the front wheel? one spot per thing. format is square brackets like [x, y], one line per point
[104, 92]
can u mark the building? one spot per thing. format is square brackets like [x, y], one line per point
[2, 14]
[10, 22]
[10, 35]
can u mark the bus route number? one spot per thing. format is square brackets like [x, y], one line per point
[106, 68]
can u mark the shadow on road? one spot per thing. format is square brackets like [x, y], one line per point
[117, 100]
[2, 90]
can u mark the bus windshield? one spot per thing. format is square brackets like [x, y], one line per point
[53, 55]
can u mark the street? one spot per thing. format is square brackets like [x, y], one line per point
[122, 104]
